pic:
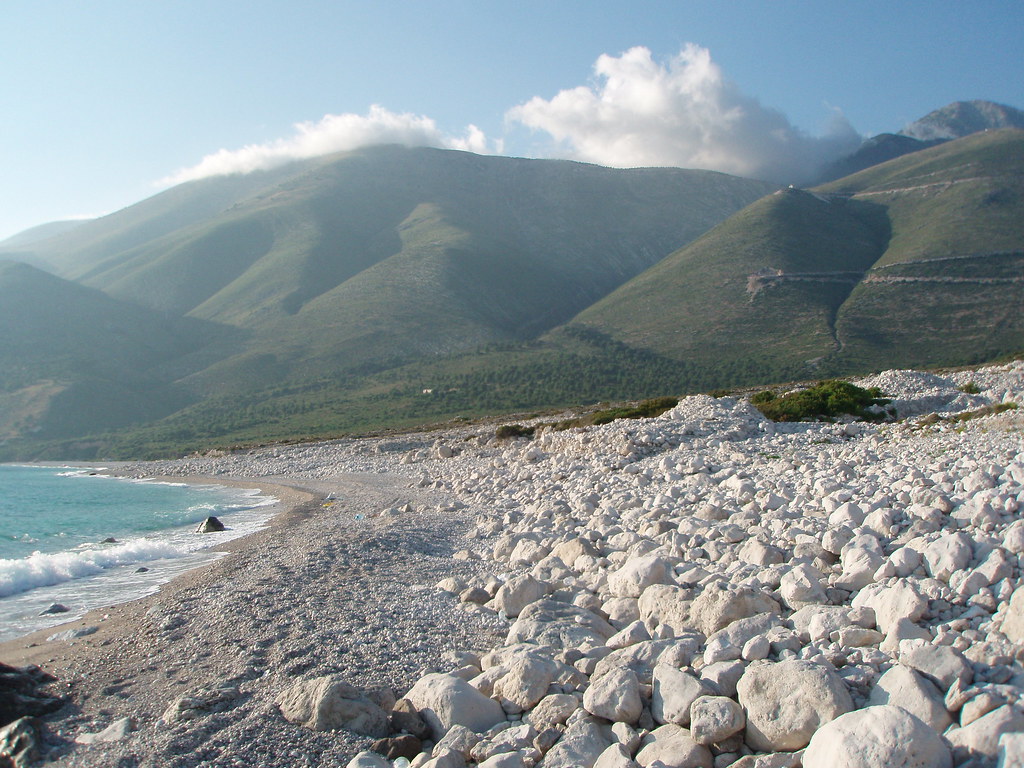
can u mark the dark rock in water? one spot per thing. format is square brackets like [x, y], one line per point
[406, 746]
[19, 696]
[109, 540]
[55, 608]
[141, 569]
[210, 525]
[19, 744]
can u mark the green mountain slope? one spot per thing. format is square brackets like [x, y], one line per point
[75, 360]
[918, 261]
[358, 262]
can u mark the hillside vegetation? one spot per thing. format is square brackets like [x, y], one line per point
[393, 287]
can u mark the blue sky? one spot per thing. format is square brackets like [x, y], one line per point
[105, 101]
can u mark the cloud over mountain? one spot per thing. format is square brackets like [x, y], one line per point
[638, 112]
[334, 133]
[682, 113]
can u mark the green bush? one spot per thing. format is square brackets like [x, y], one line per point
[827, 399]
[970, 388]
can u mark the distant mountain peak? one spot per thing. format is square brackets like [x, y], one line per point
[962, 118]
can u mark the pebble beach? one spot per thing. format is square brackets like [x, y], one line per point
[704, 588]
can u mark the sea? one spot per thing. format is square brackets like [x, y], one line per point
[85, 540]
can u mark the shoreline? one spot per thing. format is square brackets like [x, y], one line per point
[336, 588]
[33, 647]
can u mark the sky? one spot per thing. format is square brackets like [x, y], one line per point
[107, 102]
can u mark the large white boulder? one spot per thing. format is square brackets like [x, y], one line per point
[877, 736]
[517, 593]
[614, 696]
[672, 746]
[446, 700]
[902, 687]
[787, 701]
[637, 574]
[717, 606]
[674, 691]
[328, 703]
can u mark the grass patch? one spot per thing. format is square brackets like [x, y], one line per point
[826, 400]
[970, 388]
[645, 409]
[987, 410]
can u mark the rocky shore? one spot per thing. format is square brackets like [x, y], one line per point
[706, 588]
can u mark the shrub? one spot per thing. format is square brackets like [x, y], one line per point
[509, 431]
[827, 399]
[970, 388]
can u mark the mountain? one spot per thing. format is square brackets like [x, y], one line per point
[962, 118]
[335, 267]
[40, 232]
[390, 286]
[77, 361]
[918, 261]
[956, 120]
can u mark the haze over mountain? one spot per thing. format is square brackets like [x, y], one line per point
[394, 284]
[956, 120]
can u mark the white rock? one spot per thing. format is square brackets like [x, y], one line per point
[674, 691]
[786, 702]
[714, 719]
[982, 736]
[517, 593]
[614, 696]
[616, 756]
[876, 736]
[327, 703]
[580, 745]
[947, 554]
[673, 747]
[369, 759]
[902, 687]
[717, 607]
[446, 700]
[636, 575]
[1013, 619]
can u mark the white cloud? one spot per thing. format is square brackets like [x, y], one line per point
[683, 113]
[333, 133]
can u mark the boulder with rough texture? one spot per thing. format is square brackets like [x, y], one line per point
[885, 736]
[560, 625]
[674, 691]
[1013, 619]
[939, 663]
[616, 756]
[368, 759]
[714, 719]
[200, 704]
[636, 575]
[525, 680]
[614, 696]
[446, 700]
[981, 737]
[20, 695]
[672, 746]
[328, 703]
[787, 701]
[517, 593]
[717, 607]
[902, 687]
[580, 745]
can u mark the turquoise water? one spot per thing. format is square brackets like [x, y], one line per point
[84, 539]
